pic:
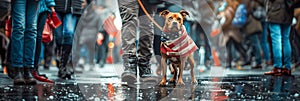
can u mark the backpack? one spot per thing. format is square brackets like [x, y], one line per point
[241, 16]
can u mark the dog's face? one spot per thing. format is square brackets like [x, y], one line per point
[173, 21]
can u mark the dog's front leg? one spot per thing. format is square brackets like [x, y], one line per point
[192, 63]
[164, 70]
[181, 66]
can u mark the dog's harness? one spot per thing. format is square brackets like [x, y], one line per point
[179, 47]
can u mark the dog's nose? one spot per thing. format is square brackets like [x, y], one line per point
[174, 24]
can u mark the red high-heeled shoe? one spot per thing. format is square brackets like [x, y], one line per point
[41, 78]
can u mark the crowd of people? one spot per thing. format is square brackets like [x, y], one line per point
[258, 33]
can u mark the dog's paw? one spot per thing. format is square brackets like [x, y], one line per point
[162, 83]
[180, 83]
[172, 81]
[194, 81]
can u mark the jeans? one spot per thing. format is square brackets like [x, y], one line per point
[264, 41]
[24, 31]
[254, 43]
[64, 33]
[41, 23]
[281, 44]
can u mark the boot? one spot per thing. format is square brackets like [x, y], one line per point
[19, 78]
[58, 52]
[275, 71]
[145, 70]
[64, 72]
[130, 72]
[28, 78]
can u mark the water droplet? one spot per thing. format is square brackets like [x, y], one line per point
[296, 95]
[51, 97]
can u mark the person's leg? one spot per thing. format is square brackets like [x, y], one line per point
[229, 53]
[286, 46]
[30, 40]
[40, 27]
[58, 38]
[145, 39]
[17, 39]
[254, 43]
[243, 52]
[195, 35]
[264, 42]
[49, 51]
[275, 31]
[129, 13]
[69, 26]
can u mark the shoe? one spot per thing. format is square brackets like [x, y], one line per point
[286, 72]
[275, 71]
[246, 63]
[128, 77]
[19, 78]
[36, 70]
[257, 67]
[28, 78]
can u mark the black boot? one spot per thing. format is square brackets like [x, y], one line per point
[64, 72]
[28, 78]
[19, 76]
[130, 72]
[58, 52]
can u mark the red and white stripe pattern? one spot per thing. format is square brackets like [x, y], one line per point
[180, 47]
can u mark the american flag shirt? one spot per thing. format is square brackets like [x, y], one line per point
[179, 47]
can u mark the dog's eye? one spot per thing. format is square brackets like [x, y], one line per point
[170, 18]
[178, 18]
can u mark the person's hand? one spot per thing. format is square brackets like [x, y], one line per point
[52, 9]
[83, 4]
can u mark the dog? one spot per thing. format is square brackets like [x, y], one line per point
[176, 46]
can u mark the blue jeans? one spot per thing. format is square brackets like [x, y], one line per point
[254, 43]
[65, 32]
[281, 44]
[24, 30]
[264, 41]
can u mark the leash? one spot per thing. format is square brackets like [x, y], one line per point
[148, 15]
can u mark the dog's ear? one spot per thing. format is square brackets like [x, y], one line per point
[184, 13]
[164, 13]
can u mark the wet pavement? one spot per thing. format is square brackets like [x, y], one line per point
[105, 84]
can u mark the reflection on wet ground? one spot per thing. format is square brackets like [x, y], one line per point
[230, 87]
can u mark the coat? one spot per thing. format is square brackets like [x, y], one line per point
[69, 6]
[253, 25]
[279, 12]
[45, 5]
[230, 32]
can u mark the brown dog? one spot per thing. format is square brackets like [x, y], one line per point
[176, 46]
